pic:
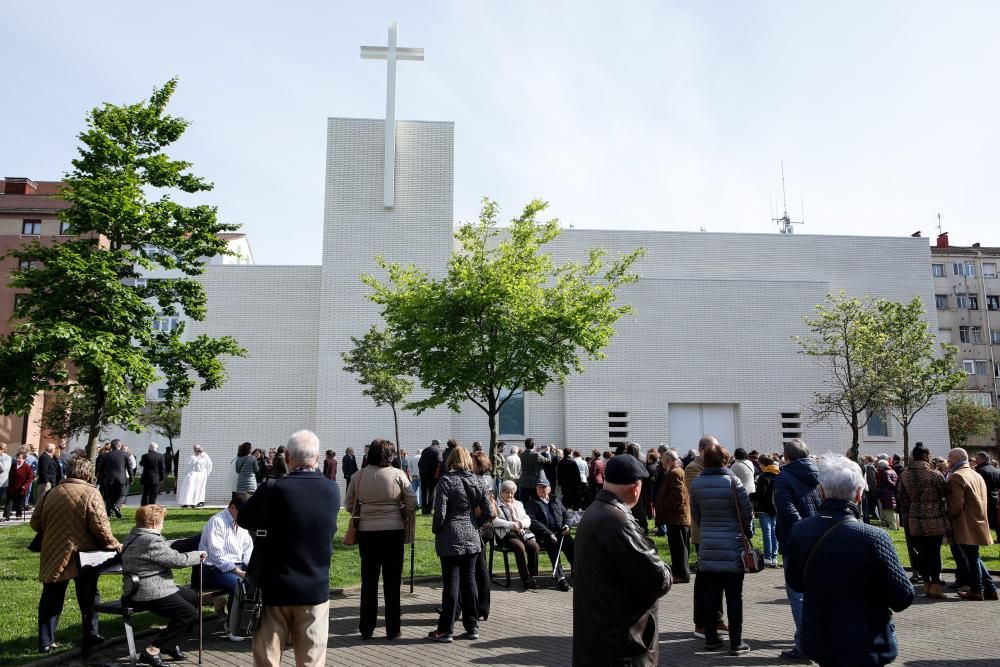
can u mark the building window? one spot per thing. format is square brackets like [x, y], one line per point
[941, 300]
[161, 394]
[64, 229]
[989, 270]
[31, 228]
[969, 366]
[937, 270]
[970, 334]
[512, 413]
[18, 298]
[980, 367]
[967, 269]
[973, 302]
[961, 301]
[878, 426]
[996, 369]
[993, 302]
[970, 269]
[25, 265]
[166, 323]
[995, 335]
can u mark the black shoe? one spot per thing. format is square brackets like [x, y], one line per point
[395, 636]
[713, 646]
[562, 585]
[530, 583]
[916, 579]
[147, 658]
[740, 649]
[174, 653]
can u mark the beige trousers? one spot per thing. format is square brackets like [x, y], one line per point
[308, 628]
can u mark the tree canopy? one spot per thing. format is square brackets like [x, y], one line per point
[505, 318]
[372, 359]
[85, 320]
[968, 418]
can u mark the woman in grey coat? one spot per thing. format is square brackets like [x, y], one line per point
[246, 469]
[714, 497]
[147, 555]
[457, 542]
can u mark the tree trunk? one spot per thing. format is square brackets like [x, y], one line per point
[491, 414]
[96, 422]
[852, 453]
[395, 421]
[906, 441]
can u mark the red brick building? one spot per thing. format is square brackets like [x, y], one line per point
[29, 211]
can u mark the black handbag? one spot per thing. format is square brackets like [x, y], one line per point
[35, 545]
[248, 600]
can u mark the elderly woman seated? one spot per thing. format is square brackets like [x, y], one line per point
[512, 528]
[147, 555]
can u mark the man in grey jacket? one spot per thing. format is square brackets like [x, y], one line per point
[532, 466]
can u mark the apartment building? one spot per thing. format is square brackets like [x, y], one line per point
[967, 298]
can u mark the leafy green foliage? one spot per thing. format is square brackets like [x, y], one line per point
[916, 371]
[67, 414]
[882, 358]
[505, 318]
[84, 320]
[967, 419]
[162, 418]
[372, 359]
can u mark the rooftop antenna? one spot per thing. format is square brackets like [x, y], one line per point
[785, 222]
[939, 224]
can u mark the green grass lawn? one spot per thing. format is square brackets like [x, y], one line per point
[21, 589]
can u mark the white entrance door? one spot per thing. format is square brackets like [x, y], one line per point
[690, 421]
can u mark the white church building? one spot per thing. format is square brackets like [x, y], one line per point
[708, 350]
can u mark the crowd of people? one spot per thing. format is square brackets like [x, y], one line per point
[597, 511]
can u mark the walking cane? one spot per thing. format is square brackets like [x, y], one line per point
[411, 565]
[555, 561]
[201, 607]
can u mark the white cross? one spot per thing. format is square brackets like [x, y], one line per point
[390, 54]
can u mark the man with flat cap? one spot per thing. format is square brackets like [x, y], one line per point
[550, 524]
[619, 577]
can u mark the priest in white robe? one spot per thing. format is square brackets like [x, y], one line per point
[199, 467]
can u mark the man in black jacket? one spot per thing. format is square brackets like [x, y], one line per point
[984, 467]
[619, 577]
[428, 464]
[47, 473]
[113, 469]
[154, 471]
[549, 518]
[291, 562]
[349, 465]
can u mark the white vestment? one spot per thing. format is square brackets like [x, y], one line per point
[192, 492]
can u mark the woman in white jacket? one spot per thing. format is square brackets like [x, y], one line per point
[512, 527]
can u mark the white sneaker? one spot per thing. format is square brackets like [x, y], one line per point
[235, 638]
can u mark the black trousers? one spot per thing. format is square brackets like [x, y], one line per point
[712, 587]
[552, 549]
[911, 551]
[459, 575]
[113, 493]
[149, 493]
[927, 557]
[699, 606]
[14, 502]
[180, 610]
[50, 606]
[679, 542]
[381, 554]
[427, 485]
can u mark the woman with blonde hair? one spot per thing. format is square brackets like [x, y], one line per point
[457, 542]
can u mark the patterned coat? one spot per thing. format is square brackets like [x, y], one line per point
[457, 494]
[920, 494]
[72, 518]
[148, 555]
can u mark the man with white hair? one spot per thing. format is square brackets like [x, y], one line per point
[967, 502]
[294, 526]
[848, 574]
[154, 471]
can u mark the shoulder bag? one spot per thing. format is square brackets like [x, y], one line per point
[751, 557]
[351, 536]
[248, 598]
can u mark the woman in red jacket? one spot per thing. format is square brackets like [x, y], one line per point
[18, 486]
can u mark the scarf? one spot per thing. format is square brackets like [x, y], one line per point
[773, 469]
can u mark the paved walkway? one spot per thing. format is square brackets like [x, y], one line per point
[535, 627]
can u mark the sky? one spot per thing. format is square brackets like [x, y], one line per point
[627, 115]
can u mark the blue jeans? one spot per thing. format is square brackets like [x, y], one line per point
[979, 576]
[795, 599]
[216, 578]
[415, 485]
[769, 536]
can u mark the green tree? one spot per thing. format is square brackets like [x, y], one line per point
[372, 359]
[67, 414]
[505, 318]
[162, 418]
[968, 418]
[84, 318]
[915, 372]
[846, 336]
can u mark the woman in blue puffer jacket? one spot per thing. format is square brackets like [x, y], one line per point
[714, 497]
